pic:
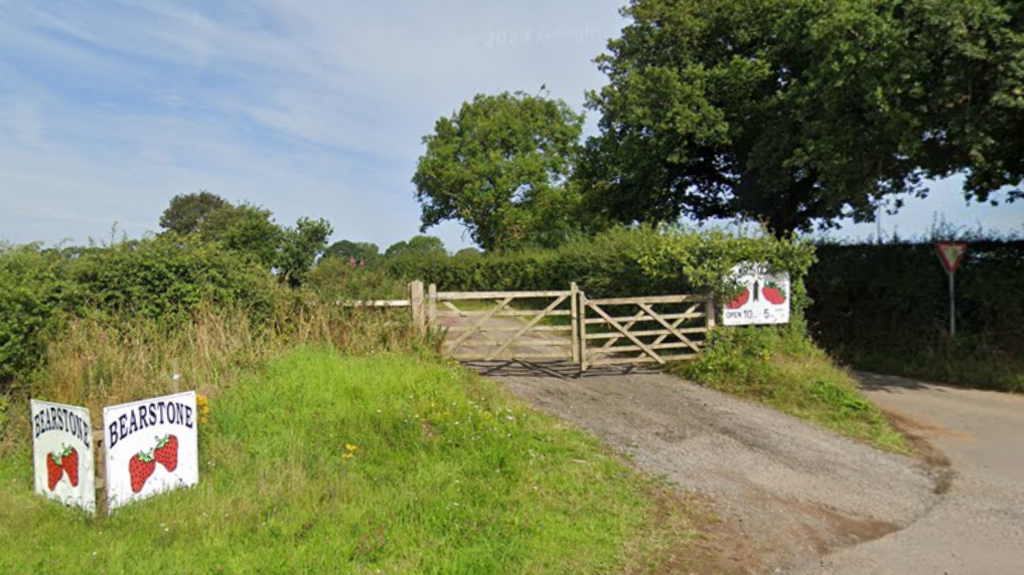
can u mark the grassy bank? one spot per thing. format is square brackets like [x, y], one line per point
[380, 464]
[966, 362]
[782, 368]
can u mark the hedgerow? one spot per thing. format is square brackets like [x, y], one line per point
[621, 262]
[33, 287]
[886, 307]
[155, 278]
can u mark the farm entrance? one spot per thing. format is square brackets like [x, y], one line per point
[568, 326]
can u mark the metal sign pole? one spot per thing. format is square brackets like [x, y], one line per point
[951, 254]
[952, 306]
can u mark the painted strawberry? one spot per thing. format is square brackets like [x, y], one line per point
[166, 452]
[54, 471]
[740, 300]
[140, 468]
[774, 294]
[69, 461]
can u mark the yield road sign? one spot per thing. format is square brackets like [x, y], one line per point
[951, 254]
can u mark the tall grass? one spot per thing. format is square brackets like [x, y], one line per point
[385, 463]
[106, 359]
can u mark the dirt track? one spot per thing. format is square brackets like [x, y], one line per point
[789, 493]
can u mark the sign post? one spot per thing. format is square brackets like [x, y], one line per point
[951, 254]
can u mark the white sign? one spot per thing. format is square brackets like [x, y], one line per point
[764, 299]
[62, 454]
[152, 446]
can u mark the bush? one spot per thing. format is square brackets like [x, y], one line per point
[621, 262]
[168, 275]
[33, 288]
[165, 279]
[336, 279]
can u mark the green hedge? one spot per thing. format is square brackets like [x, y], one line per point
[154, 278]
[887, 306]
[605, 266]
[622, 262]
[167, 275]
[33, 287]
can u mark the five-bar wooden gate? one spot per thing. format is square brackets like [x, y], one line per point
[505, 325]
[566, 325]
[653, 329]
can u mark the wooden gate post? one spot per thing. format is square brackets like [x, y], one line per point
[574, 314]
[582, 310]
[709, 312]
[432, 306]
[416, 303]
[99, 463]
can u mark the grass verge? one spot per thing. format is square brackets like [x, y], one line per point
[781, 367]
[387, 463]
[965, 361]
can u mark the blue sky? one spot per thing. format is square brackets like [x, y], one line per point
[108, 109]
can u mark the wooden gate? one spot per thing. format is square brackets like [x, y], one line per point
[566, 325]
[506, 325]
[653, 329]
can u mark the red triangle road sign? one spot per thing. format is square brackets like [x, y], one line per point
[951, 254]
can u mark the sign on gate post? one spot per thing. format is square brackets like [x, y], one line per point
[62, 454]
[951, 254]
[764, 299]
[151, 447]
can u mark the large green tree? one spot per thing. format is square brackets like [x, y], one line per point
[187, 212]
[246, 229]
[501, 166]
[805, 112]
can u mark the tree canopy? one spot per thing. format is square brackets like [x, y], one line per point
[804, 112]
[500, 165]
[186, 212]
[300, 247]
[360, 251]
[417, 246]
[249, 231]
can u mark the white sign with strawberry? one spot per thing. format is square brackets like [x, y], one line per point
[62, 454]
[151, 447]
[763, 298]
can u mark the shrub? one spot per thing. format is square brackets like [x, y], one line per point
[620, 262]
[336, 279]
[167, 275]
[33, 288]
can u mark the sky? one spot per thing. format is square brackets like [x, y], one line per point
[109, 109]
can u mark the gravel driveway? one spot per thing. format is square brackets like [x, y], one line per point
[792, 494]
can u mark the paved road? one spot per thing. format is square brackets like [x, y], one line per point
[978, 526]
